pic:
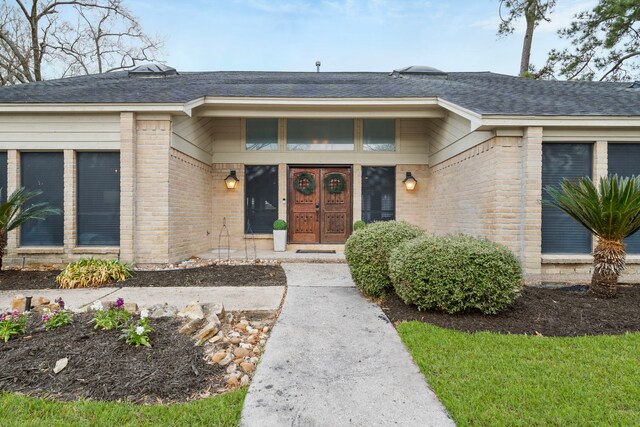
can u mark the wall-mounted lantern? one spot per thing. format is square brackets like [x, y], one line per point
[409, 182]
[231, 181]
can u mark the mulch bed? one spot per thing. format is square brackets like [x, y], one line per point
[568, 311]
[101, 367]
[215, 275]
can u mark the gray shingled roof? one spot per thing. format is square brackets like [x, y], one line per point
[484, 93]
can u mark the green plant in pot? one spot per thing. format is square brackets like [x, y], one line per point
[280, 235]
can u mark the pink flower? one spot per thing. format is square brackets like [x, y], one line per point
[45, 318]
[119, 303]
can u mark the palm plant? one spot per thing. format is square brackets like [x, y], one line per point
[612, 213]
[13, 213]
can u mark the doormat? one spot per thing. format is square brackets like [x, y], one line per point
[315, 251]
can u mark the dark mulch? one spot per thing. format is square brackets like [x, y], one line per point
[215, 275]
[101, 367]
[551, 312]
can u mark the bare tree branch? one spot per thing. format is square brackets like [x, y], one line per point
[59, 38]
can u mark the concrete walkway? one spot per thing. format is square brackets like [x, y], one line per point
[334, 359]
[234, 298]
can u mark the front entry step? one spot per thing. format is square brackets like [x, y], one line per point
[321, 248]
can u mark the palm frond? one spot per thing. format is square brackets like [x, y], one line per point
[15, 211]
[610, 211]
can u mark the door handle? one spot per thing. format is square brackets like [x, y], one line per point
[317, 212]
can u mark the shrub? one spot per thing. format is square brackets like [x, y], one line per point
[367, 253]
[455, 273]
[359, 225]
[279, 224]
[91, 272]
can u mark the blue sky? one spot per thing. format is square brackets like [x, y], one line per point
[346, 35]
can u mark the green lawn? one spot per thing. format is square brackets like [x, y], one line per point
[488, 379]
[222, 410]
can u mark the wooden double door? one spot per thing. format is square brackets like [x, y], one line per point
[319, 204]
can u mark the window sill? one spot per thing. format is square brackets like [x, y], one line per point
[581, 259]
[99, 250]
[37, 250]
[258, 236]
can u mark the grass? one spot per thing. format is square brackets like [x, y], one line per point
[488, 379]
[222, 410]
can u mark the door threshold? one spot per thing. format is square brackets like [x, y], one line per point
[315, 251]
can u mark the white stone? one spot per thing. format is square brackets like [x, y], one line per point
[60, 365]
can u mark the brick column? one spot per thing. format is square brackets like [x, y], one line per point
[151, 191]
[127, 186]
[531, 207]
[13, 182]
[357, 192]
[70, 231]
[600, 161]
[282, 191]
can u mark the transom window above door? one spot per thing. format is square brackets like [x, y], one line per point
[320, 135]
[261, 134]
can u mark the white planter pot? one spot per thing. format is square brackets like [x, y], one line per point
[279, 240]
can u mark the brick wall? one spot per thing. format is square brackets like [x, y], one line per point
[152, 191]
[228, 205]
[412, 206]
[190, 207]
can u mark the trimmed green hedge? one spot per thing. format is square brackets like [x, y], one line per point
[358, 225]
[455, 273]
[367, 253]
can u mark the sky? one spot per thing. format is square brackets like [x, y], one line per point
[345, 35]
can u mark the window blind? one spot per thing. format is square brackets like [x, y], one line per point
[561, 234]
[43, 171]
[98, 199]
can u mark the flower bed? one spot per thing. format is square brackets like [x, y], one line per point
[109, 354]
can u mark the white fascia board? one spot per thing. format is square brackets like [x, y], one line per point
[491, 121]
[90, 108]
[472, 116]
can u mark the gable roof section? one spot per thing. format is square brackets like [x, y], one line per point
[482, 92]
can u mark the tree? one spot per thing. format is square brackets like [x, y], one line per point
[612, 213]
[59, 38]
[534, 12]
[605, 44]
[13, 213]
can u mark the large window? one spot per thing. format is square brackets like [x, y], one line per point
[98, 199]
[44, 172]
[624, 160]
[379, 135]
[378, 193]
[3, 177]
[261, 198]
[561, 234]
[319, 135]
[262, 134]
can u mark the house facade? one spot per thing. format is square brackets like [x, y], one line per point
[149, 165]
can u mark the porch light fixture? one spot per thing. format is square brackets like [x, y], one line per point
[409, 182]
[231, 181]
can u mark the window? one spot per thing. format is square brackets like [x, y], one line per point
[261, 198]
[98, 199]
[378, 193]
[561, 234]
[319, 135]
[44, 172]
[262, 134]
[624, 160]
[379, 135]
[3, 177]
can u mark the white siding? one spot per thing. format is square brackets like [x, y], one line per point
[59, 131]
